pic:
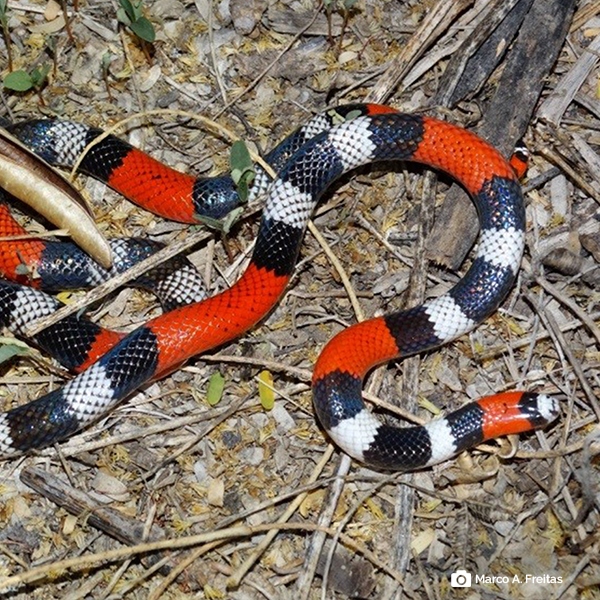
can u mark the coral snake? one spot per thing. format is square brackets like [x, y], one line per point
[318, 153]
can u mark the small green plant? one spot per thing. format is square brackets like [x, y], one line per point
[24, 81]
[130, 14]
[242, 172]
[242, 169]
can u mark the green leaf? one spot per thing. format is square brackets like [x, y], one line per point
[130, 14]
[38, 76]
[137, 10]
[216, 385]
[353, 114]
[239, 159]
[128, 10]
[225, 224]
[123, 17]
[9, 347]
[107, 58]
[18, 81]
[266, 392]
[243, 186]
[23, 270]
[230, 218]
[242, 168]
[143, 29]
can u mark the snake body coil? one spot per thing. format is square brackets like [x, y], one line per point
[378, 133]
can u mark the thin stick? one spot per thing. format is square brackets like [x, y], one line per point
[89, 560]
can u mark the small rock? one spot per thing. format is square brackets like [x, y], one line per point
[253, 456]
[216, 491]
[231, 439]
[284, 420]
[200, 471]
[167, 9]
[503, 527]
[246, 14]
[108, 485]
[559, 195]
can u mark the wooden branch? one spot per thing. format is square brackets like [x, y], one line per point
[505, 118]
